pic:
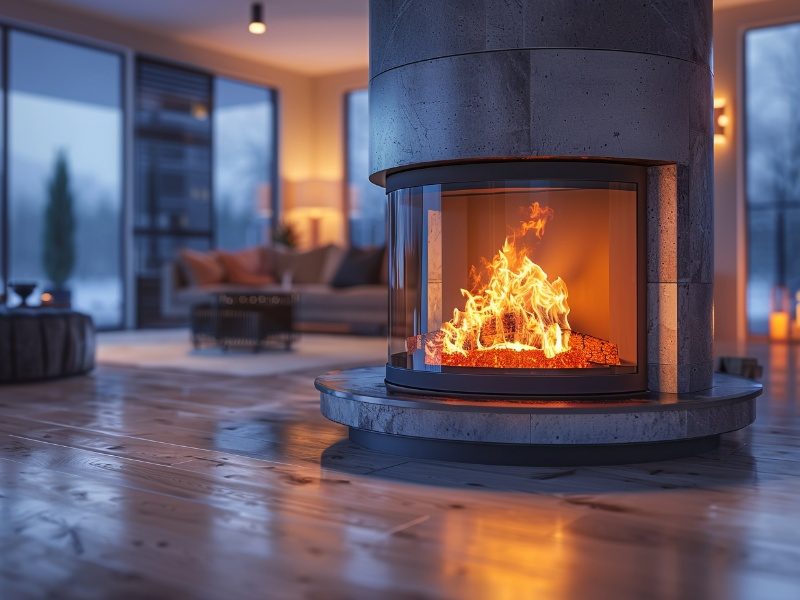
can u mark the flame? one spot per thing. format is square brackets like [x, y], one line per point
[519, 309]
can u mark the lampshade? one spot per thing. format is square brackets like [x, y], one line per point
[313, 193]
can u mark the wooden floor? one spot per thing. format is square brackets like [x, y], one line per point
[134, 483]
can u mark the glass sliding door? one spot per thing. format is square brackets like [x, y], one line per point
[366, 201]
[244, 164]
[65, 132]
[772, 170]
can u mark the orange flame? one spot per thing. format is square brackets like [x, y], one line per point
[519, 309]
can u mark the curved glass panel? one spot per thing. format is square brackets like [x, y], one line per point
[534, 276]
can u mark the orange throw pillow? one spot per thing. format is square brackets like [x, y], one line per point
[203, 268]
[245, 267]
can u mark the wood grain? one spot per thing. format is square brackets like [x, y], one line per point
[157, 484]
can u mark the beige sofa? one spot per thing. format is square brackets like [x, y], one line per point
[322, 306]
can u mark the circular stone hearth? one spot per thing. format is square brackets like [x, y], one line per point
[537, 431]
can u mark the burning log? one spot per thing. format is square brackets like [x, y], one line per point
[585, 351]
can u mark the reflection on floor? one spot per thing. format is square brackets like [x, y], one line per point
[150, 483]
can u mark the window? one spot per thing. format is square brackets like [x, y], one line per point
[366, 205]
[203, 172]
[173, 175]
[772, 112]
[244, 163]
[65, 171]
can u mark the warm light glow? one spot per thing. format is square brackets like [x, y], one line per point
[721, 120]
[779, 326]
[46, 298]
[519, 318]
[257, 27]
[199, 111]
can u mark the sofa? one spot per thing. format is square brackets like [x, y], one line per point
[340, 289]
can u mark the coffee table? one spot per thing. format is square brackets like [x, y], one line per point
[245, 319]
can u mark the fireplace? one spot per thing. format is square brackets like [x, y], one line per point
[549, 184]
[518, 278]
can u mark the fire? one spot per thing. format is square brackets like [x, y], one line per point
[519, 318]
[518, 309]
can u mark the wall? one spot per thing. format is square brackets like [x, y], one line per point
[729, 247]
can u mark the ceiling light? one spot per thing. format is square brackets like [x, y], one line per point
[257, 25]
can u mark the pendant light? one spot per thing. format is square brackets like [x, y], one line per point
[257, 25]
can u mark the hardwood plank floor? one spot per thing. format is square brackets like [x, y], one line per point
[154, 484]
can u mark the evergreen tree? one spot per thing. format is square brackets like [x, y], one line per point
[59, 226]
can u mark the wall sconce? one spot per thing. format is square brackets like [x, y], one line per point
[721, 121]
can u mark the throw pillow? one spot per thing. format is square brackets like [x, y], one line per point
[332, 262]
[360, 266]
[305, 267]
[244, 267]
[202, 268]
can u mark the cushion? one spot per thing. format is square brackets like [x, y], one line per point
[305, 267]
[202, 268]
[360, 266]
[332, 263]
[271, 260]
[245, 267]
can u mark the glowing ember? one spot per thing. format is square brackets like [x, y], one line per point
[517, 320]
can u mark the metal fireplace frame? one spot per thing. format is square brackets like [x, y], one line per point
[525, 382]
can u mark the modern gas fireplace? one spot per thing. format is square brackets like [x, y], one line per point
[549, 179]
[518, 278]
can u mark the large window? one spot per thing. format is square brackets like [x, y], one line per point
[244, 163]
[366, 201]
[772, 88]
[202, 173]
[65, 171]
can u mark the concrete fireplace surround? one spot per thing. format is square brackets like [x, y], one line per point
[619, 80]
[623, 81]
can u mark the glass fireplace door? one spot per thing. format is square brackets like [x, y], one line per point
[505, 278]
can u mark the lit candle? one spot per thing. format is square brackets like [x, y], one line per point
[779, 325]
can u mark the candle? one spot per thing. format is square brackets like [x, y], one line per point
[779, 325]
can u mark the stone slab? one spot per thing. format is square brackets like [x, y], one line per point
[359, 398]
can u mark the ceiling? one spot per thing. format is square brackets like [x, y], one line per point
[308, 36]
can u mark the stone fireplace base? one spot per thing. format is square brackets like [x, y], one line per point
[545, 431]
